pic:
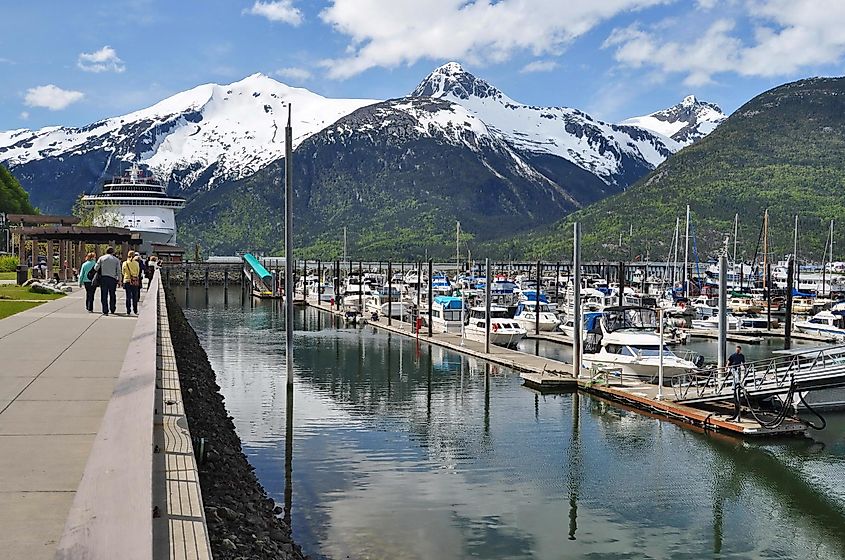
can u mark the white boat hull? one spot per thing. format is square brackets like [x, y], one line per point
[502, 337]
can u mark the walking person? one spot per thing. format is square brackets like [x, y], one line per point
[90, 288]
[736, 363]
[132, 282]
[152, 264]
[110, 275]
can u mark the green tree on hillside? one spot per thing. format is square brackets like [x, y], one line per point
[13, 199]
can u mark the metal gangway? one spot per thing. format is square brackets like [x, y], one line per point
[793, 371]
[262, 281]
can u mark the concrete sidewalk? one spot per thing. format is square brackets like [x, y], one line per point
[58, 365]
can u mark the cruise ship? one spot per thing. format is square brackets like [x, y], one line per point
[137, 201]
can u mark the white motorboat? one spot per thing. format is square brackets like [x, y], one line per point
[440, 285]
[447, 314]
[712, 323]
[825, 323]
[323, 292]
[526, 316]
[504, 331]
[626, 341]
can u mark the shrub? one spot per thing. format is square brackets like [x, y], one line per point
[8, 263]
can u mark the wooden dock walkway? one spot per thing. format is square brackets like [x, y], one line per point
[545, 375]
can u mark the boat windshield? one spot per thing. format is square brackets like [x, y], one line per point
[499, 314]
[629, 318]
[651, 350]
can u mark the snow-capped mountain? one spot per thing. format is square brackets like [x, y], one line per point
[195, 139]
[605, 150]
[687, 122]
[399, 173]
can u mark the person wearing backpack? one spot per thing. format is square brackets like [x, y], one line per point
[132, 283]
[86, 277]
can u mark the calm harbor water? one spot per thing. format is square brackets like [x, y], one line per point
[404, 451]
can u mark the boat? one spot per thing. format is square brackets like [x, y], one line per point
[624, 339]
[322, 292]
[712, 323]
[743, 303]
[504, 331]
[447, 314]
[526, 316]
[387, 302]
[356, 293]
[139, 202]
[440, 285]
[825, 323]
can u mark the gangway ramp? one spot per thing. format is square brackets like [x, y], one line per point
[798, 371]
[260, 277]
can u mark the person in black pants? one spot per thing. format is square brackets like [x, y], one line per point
[90, 288]
[736, 363]
[110, 274]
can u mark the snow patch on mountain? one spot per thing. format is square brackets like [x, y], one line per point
[688, 121]
[591, 144]
[237, 128]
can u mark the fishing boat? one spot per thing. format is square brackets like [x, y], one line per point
[504, 331]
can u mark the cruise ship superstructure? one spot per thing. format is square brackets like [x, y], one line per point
[137, 201]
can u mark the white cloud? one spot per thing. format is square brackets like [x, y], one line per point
[789, 36]
[282, 11]
[51, 97]
[389, 33]
[103, 60]
[24, 115]
[293, 73]
[539, 66]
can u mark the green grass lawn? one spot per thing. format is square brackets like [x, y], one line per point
[8, 275]
[8, 308]
[11, 292]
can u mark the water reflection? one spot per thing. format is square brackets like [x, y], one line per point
[407, 451]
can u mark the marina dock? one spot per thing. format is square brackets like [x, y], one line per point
[545, 375]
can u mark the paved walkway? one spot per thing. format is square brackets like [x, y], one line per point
[58, 365]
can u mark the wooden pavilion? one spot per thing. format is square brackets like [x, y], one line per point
[62, 234]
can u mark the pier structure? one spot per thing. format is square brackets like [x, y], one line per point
[96, 456]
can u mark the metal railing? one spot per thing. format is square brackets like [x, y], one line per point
[813, 369]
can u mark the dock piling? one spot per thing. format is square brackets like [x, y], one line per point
[576, 284]
[430, 293]
[487, 307]
[723, 311]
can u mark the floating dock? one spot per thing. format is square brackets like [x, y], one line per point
[546, 375]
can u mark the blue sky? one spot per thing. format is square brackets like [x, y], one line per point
[72, 63]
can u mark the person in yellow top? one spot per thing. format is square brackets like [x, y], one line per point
[131, 283]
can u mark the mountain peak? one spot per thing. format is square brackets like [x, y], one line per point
[452, 80]
[686, 122]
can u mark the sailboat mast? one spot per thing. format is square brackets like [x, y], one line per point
[686, 254]
[795, 252]
[765, 248]
[457, 250]
[736, 229]
[675, 243]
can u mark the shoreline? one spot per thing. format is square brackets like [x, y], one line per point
[243, 522]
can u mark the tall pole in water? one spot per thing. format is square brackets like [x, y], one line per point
[660, 362]
[686, 255]
[766, 279]
[487, 307]
[723, 310]
[457, 251]
[676, 243]
[289, 250]
[576, 292]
